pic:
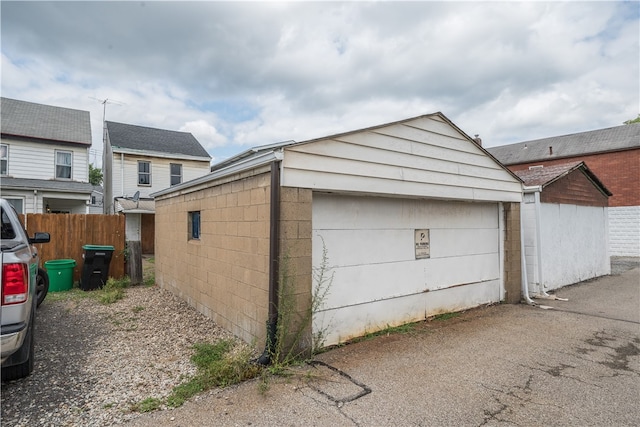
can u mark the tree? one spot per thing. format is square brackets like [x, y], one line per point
[95, 175]
[636, 120]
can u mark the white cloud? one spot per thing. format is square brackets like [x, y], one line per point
[205, 133]
[244, 74]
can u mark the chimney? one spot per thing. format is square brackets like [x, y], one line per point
[477, 140]
[550, 150]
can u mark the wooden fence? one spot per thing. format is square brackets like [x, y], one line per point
[69, 232]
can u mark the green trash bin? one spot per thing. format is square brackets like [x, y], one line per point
[60, 274]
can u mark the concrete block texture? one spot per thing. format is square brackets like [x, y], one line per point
[225, 273]
[512, 254]
[624, 231]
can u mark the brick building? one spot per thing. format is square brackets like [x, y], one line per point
[612, 154]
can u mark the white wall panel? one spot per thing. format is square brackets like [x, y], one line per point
[160, 174]
[377, 281]
[423, 157]
[342, 324]
[33, 160]
[574, 244]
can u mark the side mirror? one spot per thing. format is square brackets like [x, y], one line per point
[40, 237]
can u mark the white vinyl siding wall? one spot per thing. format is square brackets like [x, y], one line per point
[160, 174]
[37, 160]
[377, 280]
[424, 157]
[574, 244]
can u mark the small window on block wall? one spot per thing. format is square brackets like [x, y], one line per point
[194, 225]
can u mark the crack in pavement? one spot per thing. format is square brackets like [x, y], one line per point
[337, 402]
[514, 392]
[365, 389]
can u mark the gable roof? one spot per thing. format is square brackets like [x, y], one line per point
[259, 150]
[617, 138]
[146, 140]
[545, 175]
[430, 155]
[45, 122]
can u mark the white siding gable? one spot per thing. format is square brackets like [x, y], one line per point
[125, 179]
[34, 160]
[422, 157]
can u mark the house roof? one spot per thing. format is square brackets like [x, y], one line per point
[146, 139]
[617, 138]
[259, 150]
[44, 184]
[262, 155]
[27, 119]
[545, 175]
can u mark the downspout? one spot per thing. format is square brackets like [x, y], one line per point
[523, 261]
[539, 242]
[274, 266]
[121, 176]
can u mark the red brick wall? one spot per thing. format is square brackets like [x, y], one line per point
[619, 172]
[574, 189]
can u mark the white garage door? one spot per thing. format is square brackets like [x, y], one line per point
[383, 278]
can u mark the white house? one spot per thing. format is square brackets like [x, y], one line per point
[44, 157]
[140, 160]
[414, 217]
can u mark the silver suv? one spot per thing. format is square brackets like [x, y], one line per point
[19, 298]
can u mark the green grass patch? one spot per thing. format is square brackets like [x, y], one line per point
[389, 330]
[113, 290]
[147, 405]
[446, 316]
[73, 294]
[219, 365]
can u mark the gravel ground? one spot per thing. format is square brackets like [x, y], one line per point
[95, 361]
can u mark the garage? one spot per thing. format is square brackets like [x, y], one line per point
[382, 278]
[414, 218]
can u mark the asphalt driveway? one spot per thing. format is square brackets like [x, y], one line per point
[571, 363]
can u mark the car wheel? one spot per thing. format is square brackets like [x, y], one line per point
[42, 286]
[23, 370]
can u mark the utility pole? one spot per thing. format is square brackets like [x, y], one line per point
[107, 161]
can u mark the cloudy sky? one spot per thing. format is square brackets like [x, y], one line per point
[241, 74]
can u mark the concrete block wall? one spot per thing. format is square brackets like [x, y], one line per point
[512, 254]
[224, 274]
[624, 231]
[295, 250]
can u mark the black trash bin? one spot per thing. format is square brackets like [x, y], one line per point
[95, 270]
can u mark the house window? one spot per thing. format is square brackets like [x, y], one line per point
[194, 225]
[63, 164]
[18, 205]
[176, 173]
[4, 159]
[144, 173]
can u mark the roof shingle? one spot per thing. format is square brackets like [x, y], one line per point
[27, 119]
[143, 138]
[578, 144]
[545, 175]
